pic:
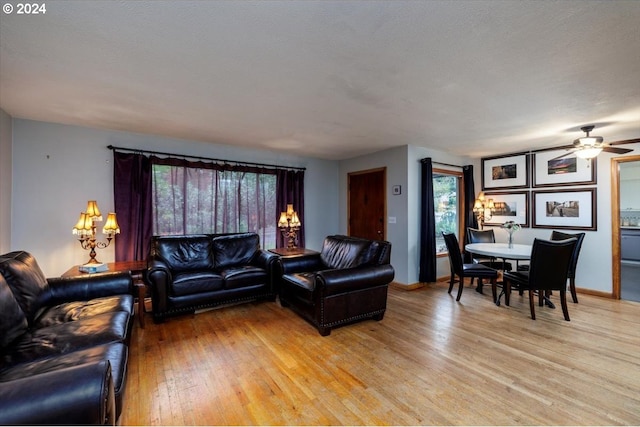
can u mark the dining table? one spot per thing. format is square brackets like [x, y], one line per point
[503, 251]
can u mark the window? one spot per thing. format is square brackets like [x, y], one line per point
[447, 197]
[192, 200]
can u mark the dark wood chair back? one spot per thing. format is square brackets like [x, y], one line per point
[550, 261]
[455, 257]
[480, 236]
[558, 235]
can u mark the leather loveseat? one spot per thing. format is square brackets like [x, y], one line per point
[346, 282]
[63, 344]
[190, 272]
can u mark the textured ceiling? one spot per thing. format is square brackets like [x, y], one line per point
[331, 79]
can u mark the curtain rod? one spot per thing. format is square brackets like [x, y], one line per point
[184, 156]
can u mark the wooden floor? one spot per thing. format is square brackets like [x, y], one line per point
[430, 361]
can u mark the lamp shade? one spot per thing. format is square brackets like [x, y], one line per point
[79, 227]
[111, 226]
[295, 221]
[283, 222]
[92, 210]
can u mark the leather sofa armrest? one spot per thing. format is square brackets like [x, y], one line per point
[81, 394]
[83, 288]
[299, 264]
[264, 259]
[333, 282]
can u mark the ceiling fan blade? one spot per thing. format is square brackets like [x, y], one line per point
[617, 150]
[626, 141]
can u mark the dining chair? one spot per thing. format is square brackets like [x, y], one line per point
[559, 235]
[486, 236]
[548, 270]
[462, 270]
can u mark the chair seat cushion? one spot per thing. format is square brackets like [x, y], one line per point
[241, 277]
[116, 353]
[76, 310]
[67, 337]
[195, 282]
[300, 285]
[479, 270]
[497, 265]
[520, 277]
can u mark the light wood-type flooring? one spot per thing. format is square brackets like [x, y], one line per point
[430, 361]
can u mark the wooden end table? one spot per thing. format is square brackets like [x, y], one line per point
[294, 252]
[135, 268]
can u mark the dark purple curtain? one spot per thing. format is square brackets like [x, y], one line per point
[469, 217]
[132, 200]
[427, 225]
[290, 184]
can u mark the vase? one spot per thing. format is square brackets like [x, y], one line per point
[510, 240]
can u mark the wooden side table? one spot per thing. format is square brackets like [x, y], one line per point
[135, 268]
[287, 253]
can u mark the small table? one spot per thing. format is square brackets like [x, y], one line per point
[500, 250]
[293, 252]
[135, 268]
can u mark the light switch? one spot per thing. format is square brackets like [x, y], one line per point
[392, 220]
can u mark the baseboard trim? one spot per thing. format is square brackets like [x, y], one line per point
[595, 293]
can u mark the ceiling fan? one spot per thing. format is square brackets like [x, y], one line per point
[589, 147]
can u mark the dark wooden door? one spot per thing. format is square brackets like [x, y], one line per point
[367, 203]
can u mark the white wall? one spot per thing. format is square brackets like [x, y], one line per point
[5, 181]
[57, 168]
[403, 168]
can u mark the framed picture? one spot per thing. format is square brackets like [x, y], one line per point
[509, 207]
[548, 171]
[396, 190]
[505, 172]
[574, 209]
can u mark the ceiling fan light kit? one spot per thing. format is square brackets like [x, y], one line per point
[589, 147]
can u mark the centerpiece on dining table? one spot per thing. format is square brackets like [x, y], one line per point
[511, 227]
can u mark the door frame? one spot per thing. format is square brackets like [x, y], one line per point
[615, 221]
[384, 195]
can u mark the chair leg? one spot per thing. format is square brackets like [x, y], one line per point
[532, 305]
[540, 298]
[507, 292]
[460, 287]
[494, 288]
[563, 301]
[572, 286]
[451, 280]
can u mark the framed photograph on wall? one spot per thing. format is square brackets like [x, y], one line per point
[550, 171]
[573, 209]
[505, 172]
[509, 207]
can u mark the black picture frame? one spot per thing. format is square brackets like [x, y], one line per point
[505, 172]
[574, 209]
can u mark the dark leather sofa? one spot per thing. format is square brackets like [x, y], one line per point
[345, 283]
[186, 273]
[63, 344]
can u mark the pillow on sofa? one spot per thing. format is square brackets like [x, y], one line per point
[184, 253]
[26, 280]
[340, 252]
[13, 322]
[236, 249]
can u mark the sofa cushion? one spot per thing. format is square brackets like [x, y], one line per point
[241, 277]
[184, 253]
[194, 282]
[300, 286]
[67, 337]
[76, 310]
[235, 250]
[339, 252]
[115, 353]
[13, 322]
[26, 280]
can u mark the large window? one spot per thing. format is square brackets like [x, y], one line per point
[189, 200]
[447, 197]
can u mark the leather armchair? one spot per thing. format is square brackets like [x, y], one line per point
[345, 283]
